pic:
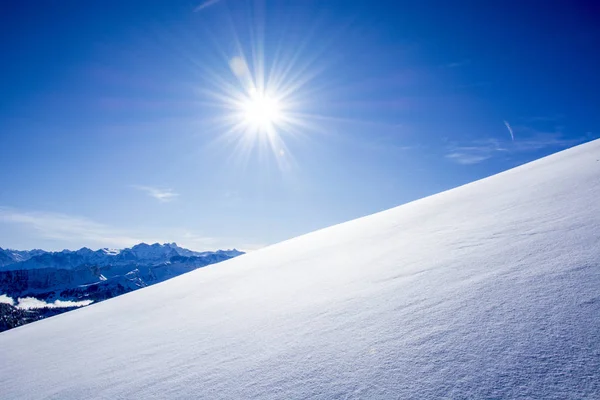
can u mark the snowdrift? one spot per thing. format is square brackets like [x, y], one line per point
[490, 290]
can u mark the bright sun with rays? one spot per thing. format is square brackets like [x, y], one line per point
[263, 108]
[261, 111]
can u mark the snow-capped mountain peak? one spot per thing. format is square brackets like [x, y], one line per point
[139, 254]
[110, 252]
[10, 256]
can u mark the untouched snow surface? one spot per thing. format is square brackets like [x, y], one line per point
[490, 290]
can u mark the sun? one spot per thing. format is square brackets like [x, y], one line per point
[262, 106]
[261, 111]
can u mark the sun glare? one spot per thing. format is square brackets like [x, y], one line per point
[264, 104]
[261, 111]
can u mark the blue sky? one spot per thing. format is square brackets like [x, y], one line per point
[117, 124]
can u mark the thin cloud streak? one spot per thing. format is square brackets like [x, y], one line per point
[67, 228]
[206, 4]
[467, 159]
[162, 195]
[75, 231]
[475, 152]
[481, 150]
[72, 232]
[510, 130]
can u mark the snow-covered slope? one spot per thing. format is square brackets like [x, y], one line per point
[490, 290]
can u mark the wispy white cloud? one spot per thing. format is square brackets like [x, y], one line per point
[162, 195]
[466, 158]
[28, 303]
[66, 228]
[206, 4]
[59, 231]
[529, 140]
[510, 130]
[532, 140]
[6, 300]
[474, 152]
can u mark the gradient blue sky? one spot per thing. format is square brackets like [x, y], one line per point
[111, 132]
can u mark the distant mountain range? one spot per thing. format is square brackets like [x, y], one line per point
[37, 283]
[139, 254]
